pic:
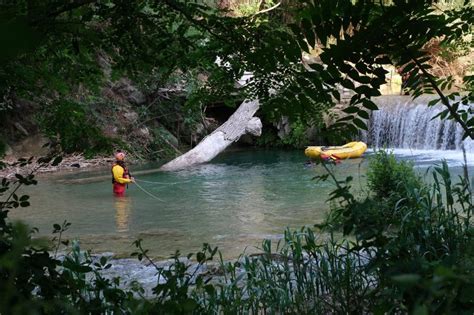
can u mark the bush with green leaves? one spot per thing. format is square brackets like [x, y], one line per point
[389, 183]
[297, 137]
[388, 179]
[423, 248]
[69, 123]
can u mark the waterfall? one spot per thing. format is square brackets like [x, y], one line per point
[404, 123]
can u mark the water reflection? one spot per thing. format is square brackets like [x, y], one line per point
[229, 203]
[122, 205]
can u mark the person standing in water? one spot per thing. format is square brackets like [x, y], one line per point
[120, 174]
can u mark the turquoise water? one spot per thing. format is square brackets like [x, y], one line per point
[234, 202]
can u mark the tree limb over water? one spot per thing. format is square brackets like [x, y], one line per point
[239, 124]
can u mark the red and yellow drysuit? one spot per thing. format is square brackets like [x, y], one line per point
[120, 178]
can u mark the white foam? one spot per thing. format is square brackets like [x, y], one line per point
[454, 157]
[402, 122]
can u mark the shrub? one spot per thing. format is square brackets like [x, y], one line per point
[390, 183]
[389, 179]
[423, 247]
[297, 138]
[68, 122]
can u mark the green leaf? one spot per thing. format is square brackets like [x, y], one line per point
[367, 91]
[421, 310]
[433, 102]
[351, 110]
[369, 104]
[103, 260]
[407, 279]
[336, 95]
[408, 68]
[200, 256]
[189, 305]
[350, 117]
[359, 123]
[363, 114]
[75, 267]
[210, 289]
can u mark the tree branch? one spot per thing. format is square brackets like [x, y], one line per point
[443, 98]
[177, 7]
[68, 7]
[433, 84]
[269, 9]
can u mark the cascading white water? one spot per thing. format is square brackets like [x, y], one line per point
[404, 123]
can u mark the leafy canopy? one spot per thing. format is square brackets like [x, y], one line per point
[61, 42]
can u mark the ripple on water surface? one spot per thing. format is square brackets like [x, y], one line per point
[234, 202]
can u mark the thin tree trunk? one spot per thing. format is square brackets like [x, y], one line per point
[240, 123]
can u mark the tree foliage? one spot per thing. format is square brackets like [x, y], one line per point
[358, 38]
[58, 45]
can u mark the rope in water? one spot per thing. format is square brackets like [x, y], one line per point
[148, 193]
[161, 183]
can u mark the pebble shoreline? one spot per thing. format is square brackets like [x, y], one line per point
[70, 163]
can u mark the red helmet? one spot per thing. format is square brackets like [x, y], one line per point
[119, 155]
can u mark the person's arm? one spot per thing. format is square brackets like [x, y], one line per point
[117, 170]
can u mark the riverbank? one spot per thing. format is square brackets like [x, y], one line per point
[69, 163]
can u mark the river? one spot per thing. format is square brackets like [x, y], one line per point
[234, 202]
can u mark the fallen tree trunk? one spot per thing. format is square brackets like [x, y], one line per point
[241, 122]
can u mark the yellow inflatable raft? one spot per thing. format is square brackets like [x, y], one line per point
[348, 151]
